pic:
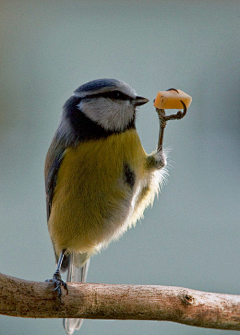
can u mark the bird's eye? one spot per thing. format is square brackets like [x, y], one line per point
[116, 95]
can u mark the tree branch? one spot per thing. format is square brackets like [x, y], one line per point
[124, 302]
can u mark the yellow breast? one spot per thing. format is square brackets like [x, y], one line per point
[91, 199]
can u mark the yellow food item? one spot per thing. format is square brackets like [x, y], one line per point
[171, 99]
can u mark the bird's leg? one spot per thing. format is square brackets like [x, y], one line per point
[163, 118]
[162, 125]
[57, 279]
[158, 160]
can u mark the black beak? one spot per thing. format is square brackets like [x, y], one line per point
[139, 101]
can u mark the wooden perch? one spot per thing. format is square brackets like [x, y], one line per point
[124, 302]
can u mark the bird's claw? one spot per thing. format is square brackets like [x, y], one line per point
[163, 118]
[173, 89]
[179, 115]
[58, 282]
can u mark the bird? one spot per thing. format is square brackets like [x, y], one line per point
[98, 177]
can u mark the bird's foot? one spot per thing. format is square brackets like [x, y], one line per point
[179, 115]
[58, 282]
[163, 118]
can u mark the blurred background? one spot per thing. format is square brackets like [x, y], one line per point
[190, 237]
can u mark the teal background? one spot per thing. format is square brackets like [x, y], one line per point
[190, 237]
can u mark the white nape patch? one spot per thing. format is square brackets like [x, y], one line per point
[112, 115]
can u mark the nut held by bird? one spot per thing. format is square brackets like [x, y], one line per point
[171, 99]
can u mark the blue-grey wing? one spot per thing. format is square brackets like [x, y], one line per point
[52, 164]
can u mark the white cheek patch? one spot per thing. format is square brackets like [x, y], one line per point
[111, 115]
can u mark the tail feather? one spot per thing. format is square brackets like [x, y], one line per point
[76, 273]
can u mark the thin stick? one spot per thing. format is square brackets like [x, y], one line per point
[123, 302]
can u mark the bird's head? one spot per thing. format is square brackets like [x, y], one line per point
[110, 103]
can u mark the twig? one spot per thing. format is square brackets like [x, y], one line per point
[125, 302]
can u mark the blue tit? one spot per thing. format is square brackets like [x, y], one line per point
[98, 177]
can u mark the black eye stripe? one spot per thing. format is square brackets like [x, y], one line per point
[115, 95]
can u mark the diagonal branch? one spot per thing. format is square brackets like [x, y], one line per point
[125, 302]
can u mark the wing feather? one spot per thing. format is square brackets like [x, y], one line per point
[52, 164]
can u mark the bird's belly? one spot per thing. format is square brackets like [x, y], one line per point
[93, 200]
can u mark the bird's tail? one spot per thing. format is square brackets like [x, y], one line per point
[77, 272]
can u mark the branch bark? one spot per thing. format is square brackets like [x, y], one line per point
[28, 299]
